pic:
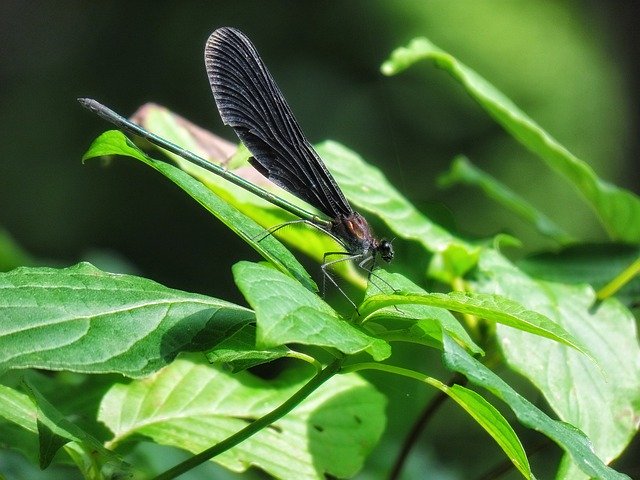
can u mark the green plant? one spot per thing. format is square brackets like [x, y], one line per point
[553, 319]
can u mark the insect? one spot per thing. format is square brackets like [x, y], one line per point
[250, 102]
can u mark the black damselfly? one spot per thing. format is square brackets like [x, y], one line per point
[249, 101]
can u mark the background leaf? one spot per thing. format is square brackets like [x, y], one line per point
[595, 264]
[617, 209]
[463, 171]
[41, 423]
[494, 423]
[572, 440]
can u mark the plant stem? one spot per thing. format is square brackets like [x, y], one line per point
[619, 281]
[305, 358]
[254, 427]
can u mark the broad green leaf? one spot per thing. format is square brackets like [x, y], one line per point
[288, 313]
[463, 171]
[193, 406]
[238, 352]
[617, 209]
[494, 423]
[595, 264]
[490, 307]
[569, 438]
[86, 320]
[604, 402]
[114, 142]
[421, 324]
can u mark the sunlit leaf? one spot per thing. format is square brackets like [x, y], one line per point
[602, 400]
[86, 320]
[193, 406]
[287, 313]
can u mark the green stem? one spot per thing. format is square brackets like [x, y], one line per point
[254, 427]
[404, 372]
[619, 281]
[305, 358]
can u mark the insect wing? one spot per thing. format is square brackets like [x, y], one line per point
[249, 100]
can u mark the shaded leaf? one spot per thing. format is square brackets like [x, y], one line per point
[463, 171]
[494, 423]
[37, 417]
[238, 352]
[595, 264]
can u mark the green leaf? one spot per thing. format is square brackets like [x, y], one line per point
[617, 209]
[494, 423]
[12, 255]
[55, 431]
[85, 320]
[194, 406]
[604, 402]
[569, 438]
[490, 307]
[115, 143]
[42, 420]
[425, 323]
[238, 352]
[287, 313]
[463, 171]
[595, 264]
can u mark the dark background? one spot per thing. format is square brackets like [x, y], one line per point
[571, 65]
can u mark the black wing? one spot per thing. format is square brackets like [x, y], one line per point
[249, 100]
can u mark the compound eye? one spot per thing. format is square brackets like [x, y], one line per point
[386, 250]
